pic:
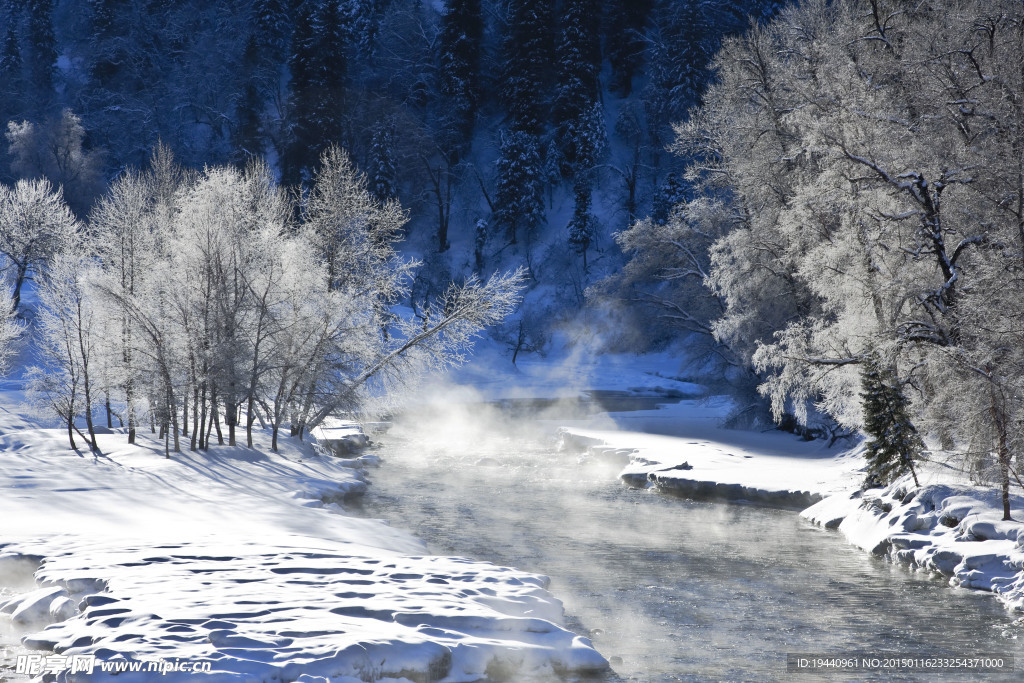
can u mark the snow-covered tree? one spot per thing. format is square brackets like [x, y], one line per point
[459, 61]
[42, 60]
[56, 149]
[528, 55]
[519, 200]
[382, 165]
[578, 51]
[894, 443]
[319, 72]
[68, 333]
[35, 224]
[624, 40]
[583, 227]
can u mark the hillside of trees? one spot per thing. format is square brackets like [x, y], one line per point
[514, 131]
[264, 211]
[823, 201]
[854, 239]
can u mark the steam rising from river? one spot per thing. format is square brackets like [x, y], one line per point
[668, 589]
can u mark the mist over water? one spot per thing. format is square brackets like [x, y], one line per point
[667, 589]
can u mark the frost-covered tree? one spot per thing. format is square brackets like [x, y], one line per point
[868, 207]
[67, 328]
[235, 306]
[56, 149]
[11, 331]
[123, 223]
[35, 224]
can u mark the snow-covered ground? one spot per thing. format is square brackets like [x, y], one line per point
[245, 561]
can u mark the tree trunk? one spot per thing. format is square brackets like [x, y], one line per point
[999, 421]
[249, 417]
[71, 433]
[184, 413]
[19, 279]
[197, 428]
[216, 424]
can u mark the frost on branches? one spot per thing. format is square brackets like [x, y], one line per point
[873, 207]
[205, 303]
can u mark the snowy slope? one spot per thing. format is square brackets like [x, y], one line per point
[682, 449]
[247, 560]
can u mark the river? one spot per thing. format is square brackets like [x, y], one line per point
[668, 589]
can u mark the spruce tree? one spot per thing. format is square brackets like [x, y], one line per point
[583, 226]
[319, 71]
[528, 55]
[519, 200]
[681, 43]
[895, 443]
[43, 49]
[579, 62]
[11, 83]
[271, 29]
[382, 165]
[624, 41]
[459, 59]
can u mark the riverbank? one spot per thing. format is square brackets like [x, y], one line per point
[947, 526]
[247, 562]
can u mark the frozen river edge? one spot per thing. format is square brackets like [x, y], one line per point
[946, 526]
[244, 565]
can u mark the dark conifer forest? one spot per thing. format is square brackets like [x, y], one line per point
[512, 130]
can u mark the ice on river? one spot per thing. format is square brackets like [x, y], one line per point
[246, 559]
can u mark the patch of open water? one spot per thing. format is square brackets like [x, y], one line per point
[670, 589]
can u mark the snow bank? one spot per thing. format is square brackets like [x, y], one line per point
[278, 608]
[955, 530]
[246, 559]
[681, 450]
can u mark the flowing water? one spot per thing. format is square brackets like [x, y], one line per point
[669, 589]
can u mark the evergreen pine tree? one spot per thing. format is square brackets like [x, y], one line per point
[461, 35]
[479, 243]
[271, 30]
[248, 136]
[382, 165]
[583, 226]
[43, 50]
[519, 201]
[579, 62]
[895, 443]
[318, 70]
[624, 41]
[528, 54]
[103, 18]
[680, 45]
[11, 84]
[670, 193]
